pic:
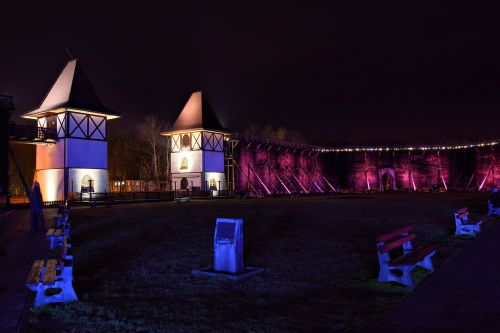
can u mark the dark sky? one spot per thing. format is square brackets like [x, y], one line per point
[358, 74]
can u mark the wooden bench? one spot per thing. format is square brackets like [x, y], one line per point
[52, 279]
[42, 271]
[463, 226]
[183, 198]
[405, 263]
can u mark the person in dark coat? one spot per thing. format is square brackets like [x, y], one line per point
[36, 199]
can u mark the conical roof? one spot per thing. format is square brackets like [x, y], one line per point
[197, 114]
[72, 89]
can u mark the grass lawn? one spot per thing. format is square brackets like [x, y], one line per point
[133, 263]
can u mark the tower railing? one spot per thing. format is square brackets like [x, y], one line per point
[31, 133]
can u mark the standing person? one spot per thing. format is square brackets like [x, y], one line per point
[37, 220]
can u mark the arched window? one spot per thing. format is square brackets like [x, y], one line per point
[186, 141]
[184, 183]
[184, 163]
[87, 184]
[213, 184]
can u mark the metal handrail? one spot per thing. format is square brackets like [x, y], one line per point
[23, 132]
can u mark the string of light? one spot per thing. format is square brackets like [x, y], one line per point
[409, 148]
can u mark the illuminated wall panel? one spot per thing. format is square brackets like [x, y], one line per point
[186, 161]
[78, 125]
[86, 153]
[278, 169]
[51, 183]
[175, 143]
[49, 156]
[458, 169]
[196, 141]
[213, 161]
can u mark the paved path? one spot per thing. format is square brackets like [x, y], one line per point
[18, 248]
[464, 296]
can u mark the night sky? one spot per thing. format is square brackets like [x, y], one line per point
[360, 74]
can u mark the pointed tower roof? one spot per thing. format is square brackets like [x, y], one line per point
[197, 115]
[72, 89]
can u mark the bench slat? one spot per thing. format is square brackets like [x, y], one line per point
[396, 243]
[394, 234]
[36, 271]
[50, 271]
[50, 232]
[58, 232]
[415, 256]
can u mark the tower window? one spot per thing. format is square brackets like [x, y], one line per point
[184, 163]
[186, 141]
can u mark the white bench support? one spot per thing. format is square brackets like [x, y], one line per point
[493, 210]
[64, 281]
[464, 227]
[386, 275]
[62, 270]
[405, 264]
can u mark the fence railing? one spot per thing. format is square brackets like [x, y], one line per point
[120, 197]
[25, 203]
[130, 197]
[109, 198]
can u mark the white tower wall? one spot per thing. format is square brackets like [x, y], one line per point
[78, 159]
[51, 183]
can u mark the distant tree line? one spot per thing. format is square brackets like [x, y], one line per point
[139, 154]
[279, 133]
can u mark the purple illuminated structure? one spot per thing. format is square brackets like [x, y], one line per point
[265, 166]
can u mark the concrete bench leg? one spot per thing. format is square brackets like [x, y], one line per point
[385, 275]
[407, 278]
[427, 263]
[67, 294]
[493, 210]
[467, 229]
[52, 241]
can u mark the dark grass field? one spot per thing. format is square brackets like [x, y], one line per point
[133, 263]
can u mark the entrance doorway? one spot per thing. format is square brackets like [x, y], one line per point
[184, 184]
[386, 182]
[387, 179]
[87, 184]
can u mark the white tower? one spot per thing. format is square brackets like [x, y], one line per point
[197, 147]
[78, 161]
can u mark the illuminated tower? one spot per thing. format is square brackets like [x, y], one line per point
[197, 147]
[77, 161]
